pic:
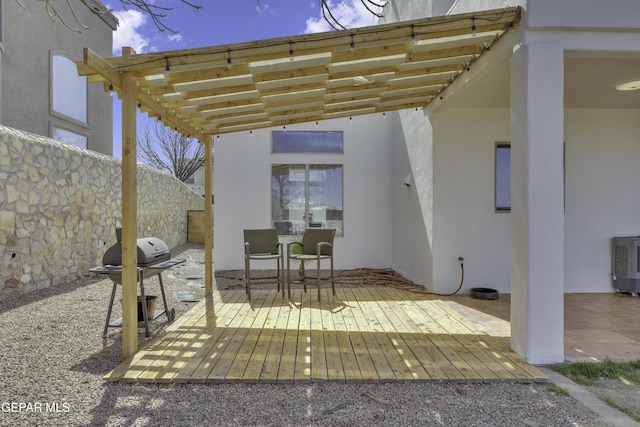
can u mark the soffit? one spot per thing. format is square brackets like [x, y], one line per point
[305, 78]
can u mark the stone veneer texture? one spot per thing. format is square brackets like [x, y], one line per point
[60, 205]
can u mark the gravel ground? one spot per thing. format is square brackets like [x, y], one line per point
[53, 357]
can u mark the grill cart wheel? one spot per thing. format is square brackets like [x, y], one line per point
[172, 315]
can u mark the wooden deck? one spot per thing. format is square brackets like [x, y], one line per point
[366, 334]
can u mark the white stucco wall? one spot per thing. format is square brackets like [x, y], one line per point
[466, 6]
[602, 154]
[466, 223]
[412, 227]
[583, 13]
[242, 188]
[602, 176]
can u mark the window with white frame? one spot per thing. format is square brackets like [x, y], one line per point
[69, 102]
[503, 177]
[1, 26]
[306, 195]
[69, 137]
[69, 90]
[307, 142]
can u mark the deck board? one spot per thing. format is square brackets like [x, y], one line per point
[367, 334]
[194, 337]
[357, 343]
[286, 368]
[382, 366]
[436, 364]
[319, 371]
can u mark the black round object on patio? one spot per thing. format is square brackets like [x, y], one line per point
[484, 293]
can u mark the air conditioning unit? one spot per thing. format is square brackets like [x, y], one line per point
[626, 264]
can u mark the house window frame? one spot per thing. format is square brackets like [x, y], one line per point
[1, 26]
[298, 229]
[339, 146]
[56, 124]
[497, 188]
[62, 115]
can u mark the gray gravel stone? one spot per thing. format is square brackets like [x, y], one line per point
[52, 354]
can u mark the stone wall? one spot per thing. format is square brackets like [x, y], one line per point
[60, 205]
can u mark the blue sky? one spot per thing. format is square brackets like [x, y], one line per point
[222, 22]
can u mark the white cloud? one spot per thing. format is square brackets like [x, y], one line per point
[264, 8]
[177, 38]
[128, 32]
[349, 13]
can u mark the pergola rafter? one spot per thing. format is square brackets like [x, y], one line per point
[221, 89]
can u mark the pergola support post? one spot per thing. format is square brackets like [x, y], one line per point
[208, 208]
[129, 216]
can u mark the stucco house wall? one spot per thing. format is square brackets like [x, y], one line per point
[29, 39]
[242, 187]
[466, 223]
[602, 198]
[601, 176]
[412, 228]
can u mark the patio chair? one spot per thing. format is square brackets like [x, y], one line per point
[316, 245]
[262, 245]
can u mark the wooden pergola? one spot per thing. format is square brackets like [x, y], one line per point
[210, 91]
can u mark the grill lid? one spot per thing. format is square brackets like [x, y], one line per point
[151, 250]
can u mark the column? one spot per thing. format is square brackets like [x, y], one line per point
[537, 202]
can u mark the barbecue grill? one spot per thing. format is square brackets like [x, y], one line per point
[151, 251]
[154, 257]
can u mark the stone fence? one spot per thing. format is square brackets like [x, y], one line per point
[60, 205]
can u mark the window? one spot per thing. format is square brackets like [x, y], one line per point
[68, 90]
[503, 178]
[306, 142]
[1, 26]
[69, 137]
[306, 196]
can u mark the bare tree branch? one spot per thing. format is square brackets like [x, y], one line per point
[373, 12]
[157, 13]
[169, 151]
[330, 18]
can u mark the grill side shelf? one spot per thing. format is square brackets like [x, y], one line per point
[106, 269]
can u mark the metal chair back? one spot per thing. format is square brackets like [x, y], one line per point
[313, 236]
[262, 241]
